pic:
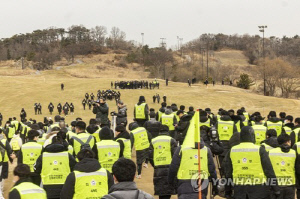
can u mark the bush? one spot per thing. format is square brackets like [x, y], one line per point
[245, 81]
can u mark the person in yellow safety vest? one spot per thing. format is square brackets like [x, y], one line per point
[23, 187]
[226, 129]
[259, 130]
[57, 119]
[108, 151]
[88, 180]
[248, 166]
[182, 126]
[271, 140]
[245, 113]
[295, 133]
[283, 160]
[152, 125]
[54, 165]
[16, 143]
[141, 139]
[15, 123]
[9, 131]
[161, 111]
[83, 136]
[238, 119]
[168, 118]
[296, 147]
[71, 131]
[210, 115]
[141, 111]
[29, 153]
[6, 155]
[288, 124]
[184, 167]
[23, 131]
[162, 149]
[124, 170]
[274, 123]
[204, 120]
[124, 139]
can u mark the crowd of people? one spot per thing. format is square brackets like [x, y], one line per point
[135, 84]
[66, 109]
[242, 155]
[90, 99]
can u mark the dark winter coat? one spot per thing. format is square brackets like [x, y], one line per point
[53, 191]
[160, 177]
[183, 127]
[4, 173]
[86, 165]
[126, 190]
[102, 113]
[122, 115]
[293, 135]
[216, 147]
[162, 110]
[272, 141]
[153, 127]
[184, 187]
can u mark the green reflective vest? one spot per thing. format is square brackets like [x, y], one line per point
[267, 147]
[246, 122]
[225, 129]
[127, 147]
[42, 140]
[90, 185]
[96, 135]
[162, 150]
[141, 141]
[296, 131]
[83, 137]
[287, 130]
[28, 190]
[298, 147]
[284, 166]
[108, 153]
[159, 115]
[207, 123]
[16, 124]
[140, 111]
[189, 164]
[238, 126]
[14, 142]
[55, 168]
[246, 115]
[168, 120]
[5, 159]
[246, 164]
[277, 126]
[11, 132]
[260, 133]
[30, 153]
[70, 150]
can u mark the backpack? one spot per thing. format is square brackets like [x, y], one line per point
[85, 145]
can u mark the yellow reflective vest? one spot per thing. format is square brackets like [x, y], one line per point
[260, 133]
[162, 150]
[140, 111]
[30, 153]
[108, 153]
[207, 123]
[83, 137]
[168, 120]
[277, 126]
[225, 129]
[141, 141]
[287, 130]
[28, 190]
[14, 142]
[127, 147]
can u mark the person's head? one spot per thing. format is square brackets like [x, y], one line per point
[85, 153]
[105, 134]
[297, 121]
[231, 112]
[152, 114]
[21, 171]
[224, 113]
[239, 112]
[62, 124]
[73, 124]
[133, 125]
[247, 134]
[163, 129]
[191, 108]
[289, 119]
[164, 104]
[120, 103]
[203, 114]
[282, 115]
[78, 119]
[91, 128]
[14, 118]
[271, 133]
[284, 139]
[272, 114]
[33, 135]
[182, 107]
[93, 121]
[208, 110]
[120, 129]
[80, 126]
[102, 101]
[124, 170]
[142, 99]
[57, 118]
[258, 119]
[35, 127]
[59, 138]
[180, 113]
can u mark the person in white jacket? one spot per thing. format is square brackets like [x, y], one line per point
[16, 143]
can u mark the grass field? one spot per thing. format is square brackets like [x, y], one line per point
[22, 91]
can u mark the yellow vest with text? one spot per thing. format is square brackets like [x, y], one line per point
[127, 147]
[141, 141]
[287, 130]
[55, 168]
[90, 185]
[14, 142]
[28, 190]
[11, 132]
[168, 120]
[140, 111]
[30, 152]
[5, 158]
[246, 164]
[162, 150]
[267, 147]
[277, 126]
[16, 124]
[225, 129]
[42, 140]
[284, 166]
[83, 137]
[260, 133]
[96, 135]
[108, 153]
[207, 123]
[189, 164]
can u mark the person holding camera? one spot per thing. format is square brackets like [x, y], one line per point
[101, 111]
[121, 115]
[211, 139]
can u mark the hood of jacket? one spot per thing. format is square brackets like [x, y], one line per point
[291, 125]
[274, 119]
[122, 186]
[203, 119]
[54, 148]
[124, 134]
[272, 141]
[186, 118]
[168, 111]
[162, 109]
[285, 148]
[87, 165]
[123, 108]
[225, 118]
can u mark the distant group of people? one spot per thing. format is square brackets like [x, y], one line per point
[135, 84]
[65, 109]
[37, 108]
[157, 98]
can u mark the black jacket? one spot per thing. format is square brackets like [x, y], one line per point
[216, 147]
[86, 165]
[293, 135]
[102, 113]
[153, 126]
[162, 110]
[122, 115]
[184, 187]
[271, 141]
[183, 127]
[53, 191]
[160, 177]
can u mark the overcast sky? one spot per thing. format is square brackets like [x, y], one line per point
[155, 18]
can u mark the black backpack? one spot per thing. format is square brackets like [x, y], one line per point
[84, 145]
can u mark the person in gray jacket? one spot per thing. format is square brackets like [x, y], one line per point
[124, 173]
[122, 114]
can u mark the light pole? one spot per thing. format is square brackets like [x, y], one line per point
[202, 50]
[262, 29]
[162, 42]
[142, 39]
[178, 43]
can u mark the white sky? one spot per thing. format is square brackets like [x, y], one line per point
[155, 18]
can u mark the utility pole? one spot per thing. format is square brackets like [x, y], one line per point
[207, 50]
[142, 39]
[178, 43]
[202, 50]
[22, 62]
[162, 42]
[262, 29]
